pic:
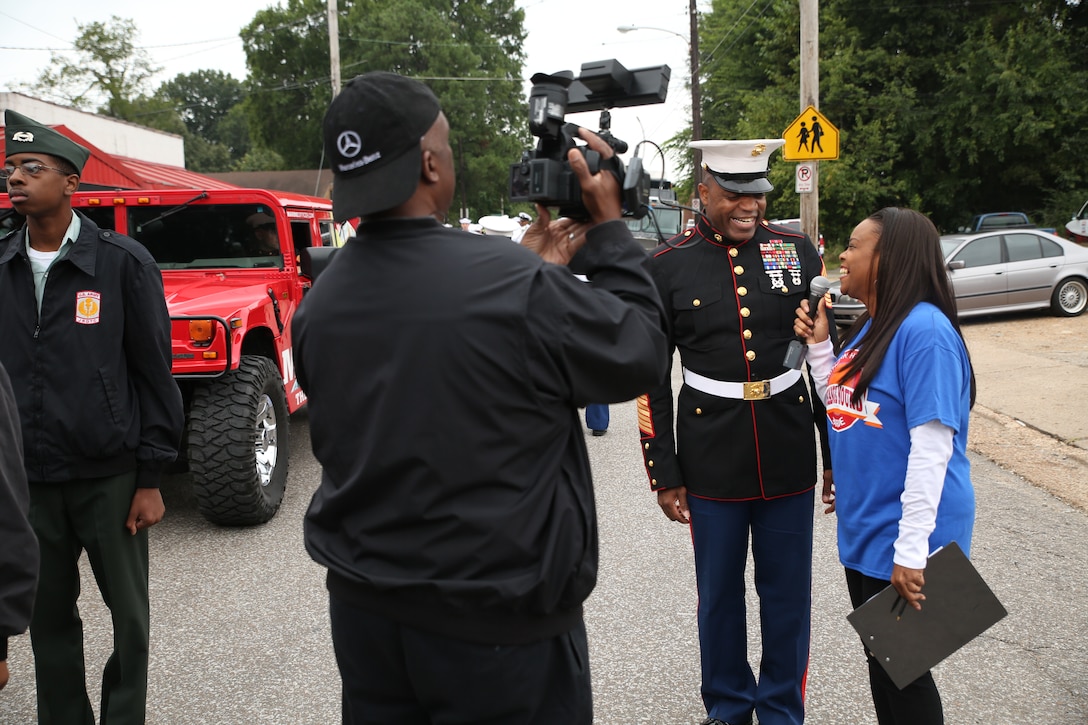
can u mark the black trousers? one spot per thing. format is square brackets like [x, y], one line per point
[919, 703]
[393, 673]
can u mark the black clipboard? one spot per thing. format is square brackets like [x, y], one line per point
[958, 607]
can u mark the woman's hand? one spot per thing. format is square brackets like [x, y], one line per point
[908, 584]
[814, 328]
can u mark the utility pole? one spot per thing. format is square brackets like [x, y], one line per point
[810, 96]
[696, 93]
[334, 47]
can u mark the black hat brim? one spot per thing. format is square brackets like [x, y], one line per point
[378, 189]
[755, 186]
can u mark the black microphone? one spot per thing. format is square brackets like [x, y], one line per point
[795, 353]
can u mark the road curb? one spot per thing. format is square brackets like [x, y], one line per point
[1041, 458]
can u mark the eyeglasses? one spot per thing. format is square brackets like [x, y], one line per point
[30, 168]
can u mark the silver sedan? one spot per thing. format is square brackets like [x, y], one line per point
[1004, 271]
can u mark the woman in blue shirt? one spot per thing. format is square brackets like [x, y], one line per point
[898, 399]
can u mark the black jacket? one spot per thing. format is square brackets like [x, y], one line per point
[92, 374]
[18, 545]
[731, 308]
[443, 371]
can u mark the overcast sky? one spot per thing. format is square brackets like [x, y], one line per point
[183, 37]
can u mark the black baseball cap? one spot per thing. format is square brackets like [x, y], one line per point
[372, 135]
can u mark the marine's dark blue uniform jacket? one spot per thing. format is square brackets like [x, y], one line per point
[731, 307]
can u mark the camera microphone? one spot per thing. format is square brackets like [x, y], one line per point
[795, 353]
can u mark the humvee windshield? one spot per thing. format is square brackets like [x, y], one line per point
[208, 236]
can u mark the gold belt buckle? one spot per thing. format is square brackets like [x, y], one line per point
[757, 390]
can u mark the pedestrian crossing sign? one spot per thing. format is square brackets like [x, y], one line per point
[811, 137]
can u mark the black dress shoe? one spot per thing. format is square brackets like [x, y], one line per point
[716, 721]
[599, 432]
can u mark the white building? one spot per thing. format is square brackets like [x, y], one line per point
[111, 135]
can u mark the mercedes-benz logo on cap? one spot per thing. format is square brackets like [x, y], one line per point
[349, 144]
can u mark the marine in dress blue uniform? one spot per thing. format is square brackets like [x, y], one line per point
[743, 459]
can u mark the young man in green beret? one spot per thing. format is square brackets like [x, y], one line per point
[87, 345]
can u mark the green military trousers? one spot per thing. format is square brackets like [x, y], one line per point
[69, 518]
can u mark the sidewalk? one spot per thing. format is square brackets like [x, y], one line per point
[1031, 415]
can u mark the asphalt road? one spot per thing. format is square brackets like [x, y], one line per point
[240, 629]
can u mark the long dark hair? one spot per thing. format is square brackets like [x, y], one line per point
[911, 269]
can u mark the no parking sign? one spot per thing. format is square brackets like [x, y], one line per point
[804, 176]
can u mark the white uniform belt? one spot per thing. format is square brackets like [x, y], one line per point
[754, 390]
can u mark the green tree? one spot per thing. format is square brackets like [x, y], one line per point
[233, 131]
[106, 71]
[260, 159]
[207, 157]
[210, 103]
[467, 51]
[953, 109]
[203, 99]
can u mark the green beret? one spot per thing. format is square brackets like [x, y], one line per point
[26, 136]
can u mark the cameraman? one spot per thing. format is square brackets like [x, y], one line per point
[444, 373]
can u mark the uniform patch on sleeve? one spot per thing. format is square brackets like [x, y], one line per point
[645, 419]
[88, 307]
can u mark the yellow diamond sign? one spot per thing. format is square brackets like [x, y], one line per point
[810, 137]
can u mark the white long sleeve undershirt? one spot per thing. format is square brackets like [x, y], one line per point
[930, 452]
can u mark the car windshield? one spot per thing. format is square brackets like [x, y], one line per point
[668, 220]
[949, 244]
[208, 236]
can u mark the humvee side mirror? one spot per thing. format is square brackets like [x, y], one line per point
[314, 260]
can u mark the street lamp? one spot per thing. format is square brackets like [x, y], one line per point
[696, 98]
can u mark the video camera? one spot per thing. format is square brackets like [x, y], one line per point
[544, 176]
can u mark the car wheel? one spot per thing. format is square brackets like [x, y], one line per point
[1070, 297]
[238, 444]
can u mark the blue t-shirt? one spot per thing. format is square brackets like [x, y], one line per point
[925, 376]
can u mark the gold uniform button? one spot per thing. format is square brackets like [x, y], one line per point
[698, 411]
[800, 398]
[738, 269]
[653, 481]
[650, 464]
[785, 289]
[646, 446]
[747, 334]
[751, 355]
[742, 291]
[696, 302]
[732, 250]
[744, 312]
